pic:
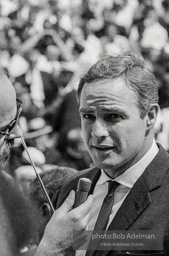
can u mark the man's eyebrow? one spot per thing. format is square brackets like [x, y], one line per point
[86, 109]
[112, 108]
[103, 110]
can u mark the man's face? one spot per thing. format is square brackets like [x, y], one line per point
[113, 131]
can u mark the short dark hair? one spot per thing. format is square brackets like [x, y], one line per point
[132, 69]
[52, 180]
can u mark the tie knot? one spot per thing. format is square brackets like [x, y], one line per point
[112, 185]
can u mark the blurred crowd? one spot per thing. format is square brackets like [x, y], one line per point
[45, 47]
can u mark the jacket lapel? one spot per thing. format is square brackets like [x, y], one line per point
[139, 197]
[135, 203]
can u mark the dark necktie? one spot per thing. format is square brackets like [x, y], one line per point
[106, 208]
[105, 211]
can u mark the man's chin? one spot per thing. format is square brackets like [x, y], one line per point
[104, 165]
[109, 167]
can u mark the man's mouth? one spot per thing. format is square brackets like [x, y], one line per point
[103, 148]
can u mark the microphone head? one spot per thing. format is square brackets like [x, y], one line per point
[84, 184]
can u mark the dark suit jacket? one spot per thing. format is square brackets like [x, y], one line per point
[146, 207]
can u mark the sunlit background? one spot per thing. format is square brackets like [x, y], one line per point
[45, 47]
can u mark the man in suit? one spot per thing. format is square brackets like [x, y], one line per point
[118, 104]
[15, 218]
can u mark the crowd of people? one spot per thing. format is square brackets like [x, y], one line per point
[47, 45]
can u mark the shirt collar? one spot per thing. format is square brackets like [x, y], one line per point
[130, 176]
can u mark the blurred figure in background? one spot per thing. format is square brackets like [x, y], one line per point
[74, 153]
[24, 175]
[52, 180]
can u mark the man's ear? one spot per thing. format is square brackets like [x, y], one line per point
[152, 116]
[46, 210]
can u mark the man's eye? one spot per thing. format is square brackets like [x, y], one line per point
[113, 117]
[89, 116]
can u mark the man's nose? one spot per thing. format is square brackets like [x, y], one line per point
[16, 133]
[99, 129]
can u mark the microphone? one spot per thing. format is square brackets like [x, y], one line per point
[82, 192]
